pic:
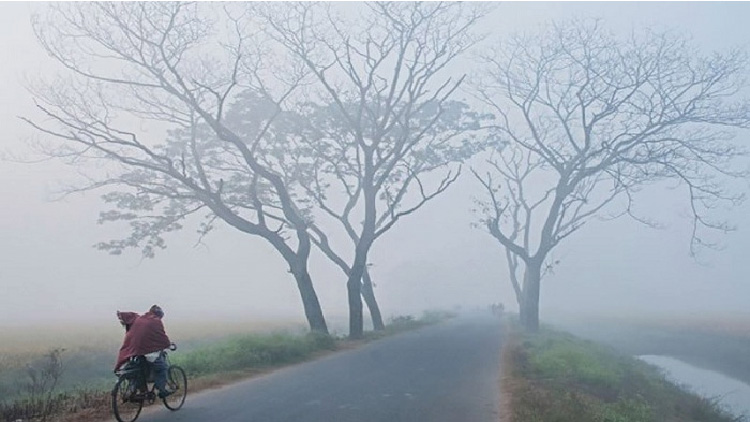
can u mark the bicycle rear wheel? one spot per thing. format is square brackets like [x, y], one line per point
[177, 382]
[126, 405]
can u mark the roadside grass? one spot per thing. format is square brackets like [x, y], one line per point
[407, 322]
[556, 377]
[207, 364]
[252, 351]
[710, 342]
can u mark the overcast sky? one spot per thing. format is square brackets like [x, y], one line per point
[49, 270]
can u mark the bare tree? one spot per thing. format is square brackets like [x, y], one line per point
[385, 119]
[182, 67]
[335, 165]
[586, 120]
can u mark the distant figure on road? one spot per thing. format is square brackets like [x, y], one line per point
[145, 336]
[497, 309]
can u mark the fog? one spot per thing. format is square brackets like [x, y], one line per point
[50, 273]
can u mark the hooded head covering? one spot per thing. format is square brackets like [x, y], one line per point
[145, 335]
[156, 310]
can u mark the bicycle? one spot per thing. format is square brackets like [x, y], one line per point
[131, 390]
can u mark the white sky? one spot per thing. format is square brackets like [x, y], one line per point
[49, 270]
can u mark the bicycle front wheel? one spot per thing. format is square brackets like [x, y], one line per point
[176, 382]
[126, 404]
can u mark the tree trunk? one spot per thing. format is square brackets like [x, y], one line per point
[367, 293]
[366, 237]
[354, 290]
[369, 296]
[512, 269]
[529, 305]
[313, 312]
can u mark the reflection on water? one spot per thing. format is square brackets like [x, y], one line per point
[733, 394]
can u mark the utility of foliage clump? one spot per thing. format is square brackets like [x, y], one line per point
[556, 377]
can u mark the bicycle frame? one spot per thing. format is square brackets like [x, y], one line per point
[132, 392]
[140, 370]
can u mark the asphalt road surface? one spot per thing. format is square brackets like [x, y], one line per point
[442, 373]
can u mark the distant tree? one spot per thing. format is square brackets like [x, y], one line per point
[384, 114]
[176, 66]
[585, 120]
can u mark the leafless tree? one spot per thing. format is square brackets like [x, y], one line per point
[585, 120]
[144, 101]
[386, 122]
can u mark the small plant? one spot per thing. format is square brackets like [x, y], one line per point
[42, 380]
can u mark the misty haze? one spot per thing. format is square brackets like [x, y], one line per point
[435, 211]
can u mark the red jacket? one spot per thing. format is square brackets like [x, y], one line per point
[145, 335]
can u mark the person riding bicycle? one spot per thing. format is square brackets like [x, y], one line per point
[145, 336]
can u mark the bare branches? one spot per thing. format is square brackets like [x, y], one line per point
[388, 219]
[380, 113]
[596, 118]
[382, 121]
[167, 63]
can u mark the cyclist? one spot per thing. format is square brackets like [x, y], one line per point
[145, 335]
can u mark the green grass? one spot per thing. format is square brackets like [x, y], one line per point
[557, 377]
[252, 351]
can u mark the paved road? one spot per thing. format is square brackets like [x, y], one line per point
[443, 373]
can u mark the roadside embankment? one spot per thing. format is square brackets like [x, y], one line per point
[555, 376]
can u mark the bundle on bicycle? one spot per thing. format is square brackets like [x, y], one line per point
[143, 370]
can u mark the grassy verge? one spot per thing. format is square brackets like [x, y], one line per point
[718, 344]
[231, 359]
[555, 377]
